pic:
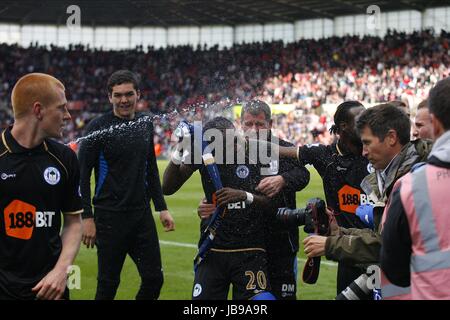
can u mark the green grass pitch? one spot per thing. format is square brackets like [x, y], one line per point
[178, 250]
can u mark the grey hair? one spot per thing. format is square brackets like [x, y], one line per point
[255, 107]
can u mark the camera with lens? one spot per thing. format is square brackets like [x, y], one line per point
[357, 290]
[313, 217]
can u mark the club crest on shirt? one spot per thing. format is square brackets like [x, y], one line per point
[197, 290]
[273, 169]
[242, 171]
[52, 175]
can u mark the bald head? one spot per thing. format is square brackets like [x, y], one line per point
[32, 88]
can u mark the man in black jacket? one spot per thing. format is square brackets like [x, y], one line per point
[119, 146]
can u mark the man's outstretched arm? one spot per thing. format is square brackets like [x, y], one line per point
[175, 176]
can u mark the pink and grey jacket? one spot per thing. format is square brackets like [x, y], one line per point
[416, 238]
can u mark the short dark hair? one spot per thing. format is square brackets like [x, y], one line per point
[122, 76]
[439, 102]
[401, 105]
[220, 123]
[423, 104]
[255, 107]
[398, 104]
[384, 117]
[342, 114]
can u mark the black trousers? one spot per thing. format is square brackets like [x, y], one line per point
[132, 233]
[283, 274]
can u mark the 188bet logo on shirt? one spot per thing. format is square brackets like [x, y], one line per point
[349, 198]
[20, 219]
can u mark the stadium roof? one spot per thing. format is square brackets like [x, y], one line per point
[167, 13]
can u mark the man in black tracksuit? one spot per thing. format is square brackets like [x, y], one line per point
[119, 147]
[282, 242]
[284, 178]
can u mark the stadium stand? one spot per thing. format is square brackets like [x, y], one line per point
[307, 73]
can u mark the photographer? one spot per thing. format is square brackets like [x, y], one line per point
[415, 232]
[384, 131]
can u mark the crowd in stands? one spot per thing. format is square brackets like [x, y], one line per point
[307, 74]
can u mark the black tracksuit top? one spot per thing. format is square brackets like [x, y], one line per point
[122, 154]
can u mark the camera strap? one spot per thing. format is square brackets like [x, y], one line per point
[311, 268]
